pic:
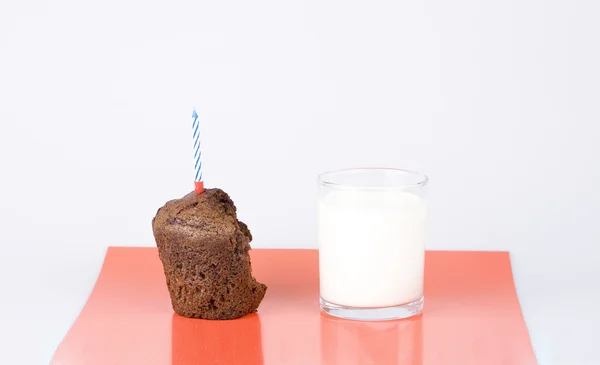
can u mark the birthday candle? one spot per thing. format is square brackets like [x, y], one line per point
[198, 180]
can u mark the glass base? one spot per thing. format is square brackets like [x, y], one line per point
[373, 314]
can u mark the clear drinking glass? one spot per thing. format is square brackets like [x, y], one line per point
[371, 232]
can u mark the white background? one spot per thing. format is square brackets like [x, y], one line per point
[497, 101]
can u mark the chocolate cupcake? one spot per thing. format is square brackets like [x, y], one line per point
[204, 252]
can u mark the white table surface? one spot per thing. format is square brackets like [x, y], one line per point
[45, 287]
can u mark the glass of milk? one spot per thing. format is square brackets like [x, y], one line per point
[371, 232]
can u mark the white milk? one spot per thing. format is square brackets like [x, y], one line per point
[371, 247]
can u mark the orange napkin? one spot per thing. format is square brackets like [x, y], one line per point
[471, 317]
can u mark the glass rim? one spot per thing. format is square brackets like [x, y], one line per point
[422, 181]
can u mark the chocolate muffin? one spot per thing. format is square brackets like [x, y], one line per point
[204, 252]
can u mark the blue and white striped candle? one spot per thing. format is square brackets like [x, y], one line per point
[198, 181]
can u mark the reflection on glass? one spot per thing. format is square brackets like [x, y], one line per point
[387, 343]
[198, 341]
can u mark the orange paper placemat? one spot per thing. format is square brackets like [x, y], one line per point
[471, 317]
